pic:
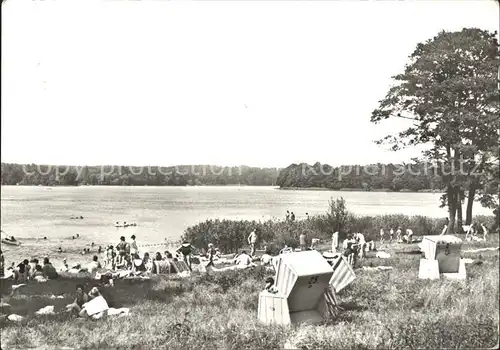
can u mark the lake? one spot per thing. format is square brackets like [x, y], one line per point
[164, 212]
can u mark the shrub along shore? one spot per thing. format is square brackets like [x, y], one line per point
[231, 235]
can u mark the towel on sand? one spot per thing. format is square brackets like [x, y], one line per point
[47, 310]
[383, 255]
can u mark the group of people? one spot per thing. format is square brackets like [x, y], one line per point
[471, 231]
[79, 305]
[290, 216]
[400, 238]
[125, 255]
[125, 224]
[29, 270]
[354, 246]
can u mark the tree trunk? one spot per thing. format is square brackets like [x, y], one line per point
[470, 203]
[452, 209]
[459, 210]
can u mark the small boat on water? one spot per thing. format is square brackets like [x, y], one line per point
[7, 241]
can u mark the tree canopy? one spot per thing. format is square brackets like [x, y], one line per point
[449, 90]
[186, 175]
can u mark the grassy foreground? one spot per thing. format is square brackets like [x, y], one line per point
[383, 309]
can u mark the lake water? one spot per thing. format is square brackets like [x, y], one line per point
[164, 212]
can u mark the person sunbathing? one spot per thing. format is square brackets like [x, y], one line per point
[270, 287]
[266, 258]
[33, 263]
[93, 294]
[138, 263]
[94, 265]
[38, 273]
[243, 259]
[49, 271]
[80, 299]
[21, 272]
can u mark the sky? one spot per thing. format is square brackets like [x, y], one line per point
[210, 82]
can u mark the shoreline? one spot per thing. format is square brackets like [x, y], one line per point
[384, 190]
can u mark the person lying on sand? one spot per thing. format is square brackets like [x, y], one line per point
[243, 259]
[270, 287]
[266, 258]
[286, 250]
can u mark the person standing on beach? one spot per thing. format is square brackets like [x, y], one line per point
[382, 236]
[445, 227]
[360, 240]
[292, 216]
[398, 234]
[287, 215]
[252, 240]
[121, 247]
[485, 232]
[186, 249]
[2, 261]
[133, 246]
[302, 241]
[335, 241]
[391, 235]
[211, 254]
[409, 235]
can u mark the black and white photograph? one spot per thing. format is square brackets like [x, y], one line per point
[250, 174]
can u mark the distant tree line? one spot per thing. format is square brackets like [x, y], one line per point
[392, 177]
[190, 175]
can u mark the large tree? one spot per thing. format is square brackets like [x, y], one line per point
[449, 90]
